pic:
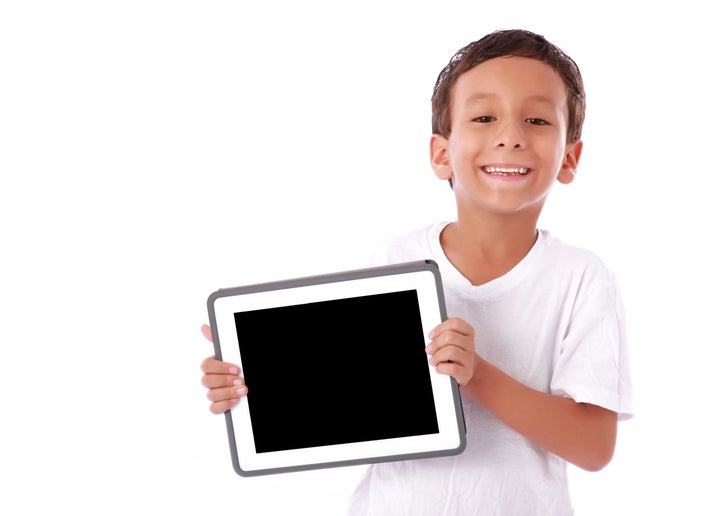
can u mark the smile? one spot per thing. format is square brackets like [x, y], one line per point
[506, 171]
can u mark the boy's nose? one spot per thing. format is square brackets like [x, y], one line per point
[510, 135]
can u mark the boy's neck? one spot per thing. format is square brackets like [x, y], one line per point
[483, 250]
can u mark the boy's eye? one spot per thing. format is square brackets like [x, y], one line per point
[484, 119]
[537, 121]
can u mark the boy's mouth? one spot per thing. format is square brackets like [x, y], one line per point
[506, 171]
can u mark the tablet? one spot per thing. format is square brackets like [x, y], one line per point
[336, 370]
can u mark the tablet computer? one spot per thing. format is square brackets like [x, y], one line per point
[336, 370]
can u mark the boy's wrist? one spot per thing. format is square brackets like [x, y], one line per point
[477, 373]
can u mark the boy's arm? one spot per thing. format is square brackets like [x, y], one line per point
[580, 433]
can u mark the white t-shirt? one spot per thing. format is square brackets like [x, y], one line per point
[555, 323]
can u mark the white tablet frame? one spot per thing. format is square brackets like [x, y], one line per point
[424, 278]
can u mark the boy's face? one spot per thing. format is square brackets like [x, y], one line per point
[507, 144]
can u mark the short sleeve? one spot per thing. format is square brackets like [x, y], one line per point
[594, 364]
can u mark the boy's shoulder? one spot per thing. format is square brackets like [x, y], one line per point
[561, 247]
[410, 245]
[560, 254]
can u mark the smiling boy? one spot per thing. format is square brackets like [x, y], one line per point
[536, 333]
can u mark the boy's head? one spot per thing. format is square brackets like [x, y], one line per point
[507, 43]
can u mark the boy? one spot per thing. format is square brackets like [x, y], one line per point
[535, 335]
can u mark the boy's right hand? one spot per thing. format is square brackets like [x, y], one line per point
[222, 379]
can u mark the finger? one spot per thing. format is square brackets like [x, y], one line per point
[446, 340]
[223, 406]
[459, 372]
[213, 381]
[226, 393]
[207, 332]
[212, 365]
[453, 324]
[449, 354]
[452, 338]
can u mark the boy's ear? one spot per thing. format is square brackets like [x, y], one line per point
[439, 158]
[573, 150]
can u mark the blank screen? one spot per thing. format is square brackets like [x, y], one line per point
[336, 372]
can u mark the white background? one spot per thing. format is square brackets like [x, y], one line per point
[154, 151]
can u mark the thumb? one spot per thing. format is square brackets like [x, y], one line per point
[205, 329]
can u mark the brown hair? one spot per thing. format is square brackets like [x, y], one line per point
[507, 43]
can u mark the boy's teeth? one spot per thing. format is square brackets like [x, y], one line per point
[506, 170]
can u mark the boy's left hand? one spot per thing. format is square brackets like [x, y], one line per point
[452, 349]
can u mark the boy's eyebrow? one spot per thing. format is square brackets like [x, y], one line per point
[476, 97]
[479, 96]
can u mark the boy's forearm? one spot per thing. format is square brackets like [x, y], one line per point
[580, 433]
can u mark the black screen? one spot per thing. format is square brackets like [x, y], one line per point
[335, 372]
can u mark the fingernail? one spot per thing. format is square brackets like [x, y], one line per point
[233, 370]
[237, 382]
[242, 391]
[428, 349]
